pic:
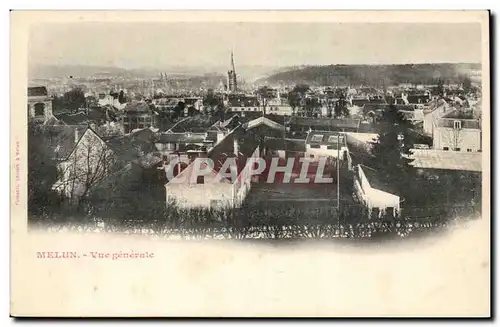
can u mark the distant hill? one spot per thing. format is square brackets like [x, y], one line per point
[61, 71]
[373, 74]
[246, 72]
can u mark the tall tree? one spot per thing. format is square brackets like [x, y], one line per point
[391, 152]
[42, 170]
[340, 108]
[311, 105]
[74, 99]
[440, 87]
[467, 84]
[297, 95]
[121, 97]
[265, 94]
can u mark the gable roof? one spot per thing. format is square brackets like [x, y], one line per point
[195, 124]
[132, 146]
[263, 121]
[62, 139]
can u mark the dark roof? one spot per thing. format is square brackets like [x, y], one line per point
[413, 98]
[247, 143]
[73, 119]
[383, 106]
[195, 124]
[325, 122]
[37, 91]
[129, 147]
[61, 139]
[466, 123]
[376, 181]
[190, 101]
[360, 102]
[458, 114]
[243, 101]
[295, 145]
[137, 106]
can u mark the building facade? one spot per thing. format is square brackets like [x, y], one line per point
[39, 104]
[453, 132]
[137, 115]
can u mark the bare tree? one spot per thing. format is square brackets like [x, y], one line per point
[88, 165]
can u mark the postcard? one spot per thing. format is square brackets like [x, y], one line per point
[250, 164]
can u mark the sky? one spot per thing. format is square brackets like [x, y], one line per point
[138, 45]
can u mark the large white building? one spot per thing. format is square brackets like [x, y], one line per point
[457, 131]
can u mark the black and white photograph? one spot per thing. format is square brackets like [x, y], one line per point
[254, 133]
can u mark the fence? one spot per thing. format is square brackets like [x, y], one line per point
[198, 225]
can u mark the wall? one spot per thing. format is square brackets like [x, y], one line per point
[430, 118]
[46, 101]
[457, 138]
[188, 195]
[373, 198]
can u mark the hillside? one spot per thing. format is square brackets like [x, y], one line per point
[372, 74]
[56, 71]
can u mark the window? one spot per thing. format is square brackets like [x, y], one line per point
[200, 180]
[456, 149]
[333, 138]
[331, 147]
[315, 146]
[469, 150]
[445, 148]
[457, 124]
[39, 109]
[317, 138]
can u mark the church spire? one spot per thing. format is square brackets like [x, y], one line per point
[232, 61]
[231, 76]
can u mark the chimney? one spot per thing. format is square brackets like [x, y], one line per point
[77, 136]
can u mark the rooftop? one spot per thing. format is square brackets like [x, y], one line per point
[447, 160]
[325, 122]
[61, 139]
[376, 181]
[37, 91]
[325, 138]
[137, 106]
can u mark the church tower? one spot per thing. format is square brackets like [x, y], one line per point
[232, 85]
